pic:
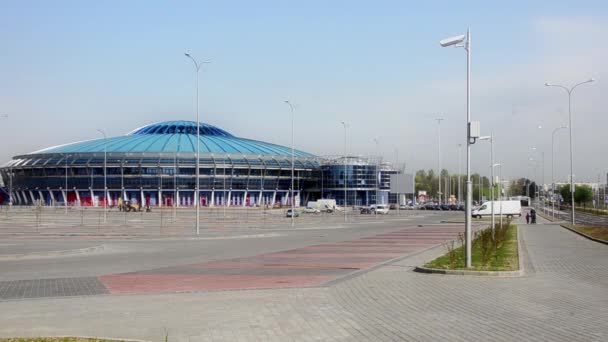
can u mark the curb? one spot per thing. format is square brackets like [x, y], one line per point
[51, 254]
[499, 274]
[584, 235]
[88, 337]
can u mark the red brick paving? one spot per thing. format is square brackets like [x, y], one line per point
[299, 267]
[161, 283]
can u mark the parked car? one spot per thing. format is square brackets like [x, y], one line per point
[453, 207]
[445, 207]
[290, 213]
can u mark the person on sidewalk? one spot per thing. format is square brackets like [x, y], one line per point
[528, 218]
[533, 216]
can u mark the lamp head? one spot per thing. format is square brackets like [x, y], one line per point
[187, 54]
[547, 84]
[452, 41]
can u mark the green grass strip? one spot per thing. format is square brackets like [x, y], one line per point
[505, 258]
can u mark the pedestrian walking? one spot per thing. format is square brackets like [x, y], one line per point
[533, 216]
[528, 218]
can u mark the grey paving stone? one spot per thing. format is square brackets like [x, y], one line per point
[60, 287]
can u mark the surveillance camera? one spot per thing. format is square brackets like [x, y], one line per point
[452, 41]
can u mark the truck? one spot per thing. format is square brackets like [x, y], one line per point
[507, 208]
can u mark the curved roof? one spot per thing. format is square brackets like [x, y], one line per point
[176, 136]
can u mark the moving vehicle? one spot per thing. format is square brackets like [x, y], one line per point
[379, 209]
[507, 208]
[309, 210]
[323, 205]
[129, 206]
[292, 213]
[365, 211]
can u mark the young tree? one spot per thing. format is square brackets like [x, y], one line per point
[564, 191]
[583, 194]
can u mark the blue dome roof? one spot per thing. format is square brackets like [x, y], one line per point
[176, 136]
[181, 127]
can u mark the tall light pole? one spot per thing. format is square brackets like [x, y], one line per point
[66, 184]
[439, 156]
[377, 174]
[552, 169]
[345, 126]
[490, 138]
[10, 179]
[197, 67]
[459, 173]
[569, 91]
[105, 183]
[293, 213]
[465, 42]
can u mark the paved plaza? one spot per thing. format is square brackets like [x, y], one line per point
[346, 283]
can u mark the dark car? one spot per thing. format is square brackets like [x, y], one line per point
[366, 211]
[461, 207]
[453, 207]
[445, 207]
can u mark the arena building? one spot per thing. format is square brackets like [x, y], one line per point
[155, 165]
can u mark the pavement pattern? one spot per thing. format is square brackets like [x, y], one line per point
[299, 267]
[562, 297]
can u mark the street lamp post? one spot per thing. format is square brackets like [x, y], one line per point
[65, 194]
[10, 187]
[459, 174]
[465, 42]
[439, 157]
[10, 176]
[569, 91]
[345, 194]
[490, 138]
[292, 164]
[552, 170]
[377, 175]
[197, 67]
[105, 183]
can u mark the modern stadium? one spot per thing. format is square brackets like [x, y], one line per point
[155, 165]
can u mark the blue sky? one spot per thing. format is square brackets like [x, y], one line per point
[69, 68]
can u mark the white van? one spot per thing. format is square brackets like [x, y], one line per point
[508, 209]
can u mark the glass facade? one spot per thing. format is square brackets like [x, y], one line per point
[365, 181]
